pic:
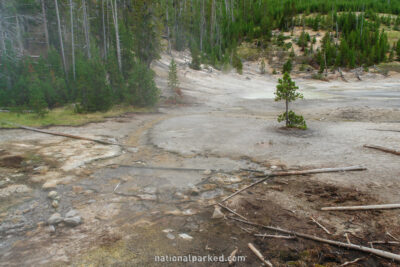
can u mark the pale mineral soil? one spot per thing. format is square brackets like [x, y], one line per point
[224, 123]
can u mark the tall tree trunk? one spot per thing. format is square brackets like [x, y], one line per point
[232, 8]
[287, 113]
[115, 18]
[86, 29]
[212, 22]
[3, 42]
[60, 37]
[19, 36]
[46, 31]
[202, 27]
[169, 40]
[71, 10]
[104, 30]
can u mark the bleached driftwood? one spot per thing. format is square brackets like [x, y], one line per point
[276, 236]
[320, 225]
[259, 255]
[367, 207]
[351, 262]
[384, 149]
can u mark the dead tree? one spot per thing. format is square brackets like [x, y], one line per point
[60, 37]
[86, 29]
[114, 10]
[104, 30]
[71, 10]
[46, 30]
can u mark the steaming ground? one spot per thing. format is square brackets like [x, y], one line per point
[225, 122]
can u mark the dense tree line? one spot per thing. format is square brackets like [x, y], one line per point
[92, 53]
[97, 52]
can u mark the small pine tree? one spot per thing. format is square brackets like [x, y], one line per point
[287, 90]
[288, 66]
[173, 82]
[398, 50]
[195, 64]
[262, 67]
[36, 98]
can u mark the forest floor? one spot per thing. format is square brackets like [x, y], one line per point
[133, 210]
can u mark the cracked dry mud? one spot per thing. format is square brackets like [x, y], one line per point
[226, 123]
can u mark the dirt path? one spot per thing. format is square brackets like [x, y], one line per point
[132, 212]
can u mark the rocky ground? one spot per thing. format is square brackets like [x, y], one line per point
[72, 202]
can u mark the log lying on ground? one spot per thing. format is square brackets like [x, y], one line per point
[366, 207]
[378, 252]
[259, 255]
[384, 149]
[66, 135]
[288, 173]
[385, 130]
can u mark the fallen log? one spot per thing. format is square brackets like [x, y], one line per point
[366, 207]
[384, 149]
[385, 130]
[288, 173]
[66, 135]
[378, 252]
[259, 255]
[231, 211]
[276, 236]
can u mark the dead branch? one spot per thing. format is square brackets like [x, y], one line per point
[276, 236]
[368, 207]
[247, 187]
[385, 130]
[351, 168]
[389, 234]
[384, 149]
[233, 254]
[67, 135]
[347, 238]
[320, 225]
[231, 211]
[385, 242]
[351, 262]
[259, 255]
[378, 252]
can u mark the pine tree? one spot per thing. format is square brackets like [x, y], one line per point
[287, 67]
[173, 81]
[287, 90]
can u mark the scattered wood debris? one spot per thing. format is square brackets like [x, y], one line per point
[352, 262]
[378, 252]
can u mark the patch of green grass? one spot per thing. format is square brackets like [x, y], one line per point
[64, 116]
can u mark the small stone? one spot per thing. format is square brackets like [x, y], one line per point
[72, 213]
[50, 184]
[168, 230]
[207, 172]
[52, 194]
[73, 221]
[55, 219]
[41, 170]
[188, 212]
[170, 236]
[52, 229]
[194, 191]
[208, 187]
[147, 197]
[185, 236]
[55, 204]
[217, 213]
[77, 189]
